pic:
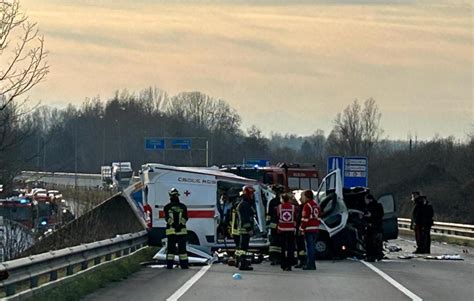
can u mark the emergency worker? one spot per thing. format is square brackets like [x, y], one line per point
[176, 216]
[275, 247]
[421, 222]
[299, 238]
[374, 238]
[246, 213]
[310, 227]
[286, 227]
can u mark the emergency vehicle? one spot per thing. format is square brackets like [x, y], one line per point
[291, 176]
[201, 190]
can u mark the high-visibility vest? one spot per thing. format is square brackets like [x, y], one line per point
[286, 217]
[310, 217]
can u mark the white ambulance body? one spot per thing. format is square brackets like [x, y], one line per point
[200, 190]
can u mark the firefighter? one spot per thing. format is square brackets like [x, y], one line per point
[286, 227]
[374, 238]
[246, 213]
[234, 230]
[310, 227]
[275, 248]
[176, 216]
[422, 221]
[299, 238]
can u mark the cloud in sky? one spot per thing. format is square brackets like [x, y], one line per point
[308, 59]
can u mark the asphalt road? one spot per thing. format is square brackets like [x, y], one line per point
[391, 279]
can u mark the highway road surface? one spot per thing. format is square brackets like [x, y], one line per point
[350, 279]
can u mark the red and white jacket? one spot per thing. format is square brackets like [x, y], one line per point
[310, 217]
[286, 214]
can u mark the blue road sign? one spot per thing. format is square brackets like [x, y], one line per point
[334, 163]
[181, 144]
[356, 171]
[154, 143]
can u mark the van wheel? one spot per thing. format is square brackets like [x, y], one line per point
[193, 239]
[322, 247]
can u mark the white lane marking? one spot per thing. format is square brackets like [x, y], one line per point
[390, 280]
[183, 289]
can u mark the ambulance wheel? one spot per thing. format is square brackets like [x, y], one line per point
[192, 238]
[322, 247]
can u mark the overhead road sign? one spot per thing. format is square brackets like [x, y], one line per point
[155, 143]
[181, 144]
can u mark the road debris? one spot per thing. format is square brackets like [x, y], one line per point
[445, 257]
[393, 248]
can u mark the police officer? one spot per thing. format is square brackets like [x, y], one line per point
[422, 221]
[275, 247]
[176, 216]
[286, 228]
[246, 213]
[374, 238]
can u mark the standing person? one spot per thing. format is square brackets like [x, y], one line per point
[246, 213]
[299, 238]
[310, 227]
[286, 213]
[374, 238]
[421, 222]
[176, 216]
[275, 247]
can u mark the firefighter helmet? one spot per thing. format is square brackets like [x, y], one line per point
[248, 190]
[278, 188]
[173, 192]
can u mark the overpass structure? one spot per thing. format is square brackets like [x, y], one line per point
[62, 178]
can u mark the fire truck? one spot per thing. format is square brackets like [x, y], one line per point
[291, 176]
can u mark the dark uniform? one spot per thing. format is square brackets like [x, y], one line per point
[300, 243]
[374, 236]
[275, 246]
[246, 213]
[422, 221]
[176, 216]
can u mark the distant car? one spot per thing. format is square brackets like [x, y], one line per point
[55, 195]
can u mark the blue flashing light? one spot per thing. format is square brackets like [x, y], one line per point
[24, 201]
[44, 223]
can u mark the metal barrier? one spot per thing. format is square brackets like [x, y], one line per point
[28, 270]
[443, 228]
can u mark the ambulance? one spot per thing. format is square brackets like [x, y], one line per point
[208, 195]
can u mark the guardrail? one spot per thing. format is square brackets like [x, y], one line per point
[26, 272]
[443, 228]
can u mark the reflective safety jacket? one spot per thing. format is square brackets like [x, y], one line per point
[246, 215]
[271, 214]
[310, 217]
[176, 216]
[286, 213]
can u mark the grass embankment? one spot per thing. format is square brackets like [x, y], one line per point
[75, 288]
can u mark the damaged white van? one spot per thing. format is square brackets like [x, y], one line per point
[342, 227]
[208, 195]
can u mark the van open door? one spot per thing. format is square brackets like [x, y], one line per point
[390, 222]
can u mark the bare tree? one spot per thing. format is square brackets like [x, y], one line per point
[22, 51]
[357, 129]
[16, 238]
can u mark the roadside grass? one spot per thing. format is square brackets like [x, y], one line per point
[75, 288]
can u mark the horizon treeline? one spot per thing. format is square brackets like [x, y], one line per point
[82, 138]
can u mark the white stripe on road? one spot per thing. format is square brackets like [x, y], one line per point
[390, 280]
[183, 289]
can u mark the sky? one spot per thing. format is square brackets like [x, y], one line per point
[285, 66]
